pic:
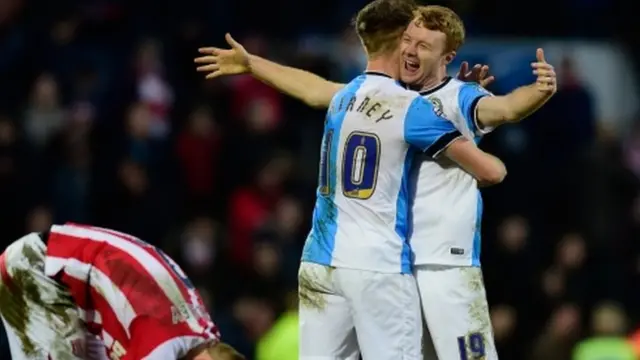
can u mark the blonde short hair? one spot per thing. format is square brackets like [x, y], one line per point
[222, 351]
[445, 20]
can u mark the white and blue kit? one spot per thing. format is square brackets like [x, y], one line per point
[446, 238]
[453, 226]
[361, 218]
[356, 272]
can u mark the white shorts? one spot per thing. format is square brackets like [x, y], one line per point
[345, 312]
[454, 304]
[39, 315]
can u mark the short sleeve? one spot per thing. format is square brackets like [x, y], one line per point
[426, 129]
[468, 97]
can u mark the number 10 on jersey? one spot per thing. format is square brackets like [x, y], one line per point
[360, 162]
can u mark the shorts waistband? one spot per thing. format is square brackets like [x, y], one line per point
[4, 274]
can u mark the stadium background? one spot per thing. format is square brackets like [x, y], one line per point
[104, 120]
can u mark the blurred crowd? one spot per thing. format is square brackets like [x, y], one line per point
[104, 120]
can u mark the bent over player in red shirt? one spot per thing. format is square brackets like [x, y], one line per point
[63, 288]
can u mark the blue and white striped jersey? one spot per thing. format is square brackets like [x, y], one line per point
[447, 208]
[373, 129]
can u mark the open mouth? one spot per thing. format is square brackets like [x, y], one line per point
[411, 66]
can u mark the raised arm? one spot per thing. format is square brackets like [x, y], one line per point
[310, 88]
[492, 111]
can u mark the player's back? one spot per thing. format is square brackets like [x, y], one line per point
[449, 233]
[129, 292]
[360, 217]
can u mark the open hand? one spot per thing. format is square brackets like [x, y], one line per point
[546, 80]
[477, 74]
[219, 62]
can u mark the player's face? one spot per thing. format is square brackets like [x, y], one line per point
[422, 54]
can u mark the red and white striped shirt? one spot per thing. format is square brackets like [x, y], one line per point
[129, 292]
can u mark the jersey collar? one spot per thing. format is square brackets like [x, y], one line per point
[377, 73]
[436, 88]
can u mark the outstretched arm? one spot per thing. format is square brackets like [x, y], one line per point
[492, 111]
[310, 88]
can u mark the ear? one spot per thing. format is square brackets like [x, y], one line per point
[448, 58]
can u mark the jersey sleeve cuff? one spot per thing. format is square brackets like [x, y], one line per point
[442, 143]
[479, 128]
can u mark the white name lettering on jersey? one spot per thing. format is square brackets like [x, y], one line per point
[373, 129]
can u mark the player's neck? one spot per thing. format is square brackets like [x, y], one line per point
[433, 81]
[383, 64]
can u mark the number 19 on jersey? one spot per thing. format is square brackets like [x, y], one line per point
[360, 162]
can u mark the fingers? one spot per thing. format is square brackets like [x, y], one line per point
[470, 75]
[209, 50]
[211, 62]
[488, 81]
[464, 68]
[540, 55]
[546, 87]
[544, 71]
[546, 77]
[475, 71]
[541, 65]
[546, 83]
[208, 68]
[205, 59]
[213, 75]
[230, 40]
[216, 62]
[484, 71]
[478, 72]
[550, 80]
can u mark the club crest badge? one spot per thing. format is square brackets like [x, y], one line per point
[437, 106]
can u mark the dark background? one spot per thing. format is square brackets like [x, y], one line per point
[104, 120]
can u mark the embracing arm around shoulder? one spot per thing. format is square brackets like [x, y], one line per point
[436, 136]
[486, 168]
[308, 87]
